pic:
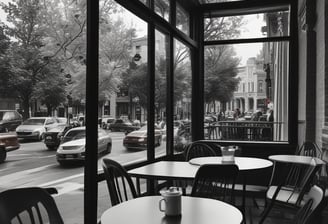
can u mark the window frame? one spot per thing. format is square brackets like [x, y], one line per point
[196, 44]
[262, 6]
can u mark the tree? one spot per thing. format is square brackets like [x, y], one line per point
[220, 61]
[4, 63]
[28, 62]
[221, 71]
[51, 92]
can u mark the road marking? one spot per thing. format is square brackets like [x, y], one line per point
[17, 176]
[68, 187]
[29, 155]
[61, 180]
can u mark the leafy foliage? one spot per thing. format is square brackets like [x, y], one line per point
[220, 73]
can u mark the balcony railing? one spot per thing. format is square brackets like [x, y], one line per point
[240, 130]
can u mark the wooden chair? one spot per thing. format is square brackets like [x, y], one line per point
[198, 149]
[216, 181]
[29, 205]
[309, 149]
[120, 185]
[291, 190]
[311, 208]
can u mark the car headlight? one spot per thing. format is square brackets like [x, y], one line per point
[141, 139]
[59, 148]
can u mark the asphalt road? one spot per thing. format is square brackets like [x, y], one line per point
[34, 165]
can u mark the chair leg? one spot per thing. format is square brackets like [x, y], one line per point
[266, 211]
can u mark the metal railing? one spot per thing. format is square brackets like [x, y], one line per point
[240, 130]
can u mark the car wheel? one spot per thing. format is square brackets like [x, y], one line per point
[41, 136]
[3, 154]
[108, 148]
[51, 147]
[62, 163]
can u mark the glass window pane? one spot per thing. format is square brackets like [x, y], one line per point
[182, 96]
[162, 8]
[161, 71]
[123, 84]
[246, 92]
[247, 26]
[182, 19]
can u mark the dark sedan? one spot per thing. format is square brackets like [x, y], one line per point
[138, 139]
[8, 142]
[53, 136]
[123, 126]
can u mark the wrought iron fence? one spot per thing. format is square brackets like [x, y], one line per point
[240, 130]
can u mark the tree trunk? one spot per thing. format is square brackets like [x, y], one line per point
[49, 110]
[26, 107]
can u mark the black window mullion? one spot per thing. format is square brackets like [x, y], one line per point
[151, 93]
[91, 115]
[197, 99]
[170, 98]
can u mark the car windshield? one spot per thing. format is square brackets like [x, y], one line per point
[57, 129]
[74, 135]
[61, 120]
[38, 121]
[1, 114]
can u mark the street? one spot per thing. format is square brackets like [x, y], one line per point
[35, 165]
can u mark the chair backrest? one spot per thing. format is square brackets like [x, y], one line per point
[28, 205]
[216, 181]
[309, 149]
[299, 178]
[309, 210]
[198, 149]
[120, 185]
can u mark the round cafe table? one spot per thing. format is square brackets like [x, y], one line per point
[245, 164]
[194, 210]
[297, 159]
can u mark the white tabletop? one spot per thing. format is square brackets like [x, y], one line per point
[306, 160]
[164, 170]
[243, 163]
[145, 210]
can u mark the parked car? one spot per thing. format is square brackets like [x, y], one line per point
[8, 142]
[35, 127]
[123, 126]
[61, 120]
[106, 121]
[52, 137]
[248, 115]
[177, 127]
[138, 139]
[72, 147]
[9, 120]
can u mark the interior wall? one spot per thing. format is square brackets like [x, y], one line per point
[305, 20]
[320, 101]
[301, 78]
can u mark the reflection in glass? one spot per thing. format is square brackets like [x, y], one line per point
[182, 96]
[247, 26]
[246, 92]
[162, 8]
[182, 19]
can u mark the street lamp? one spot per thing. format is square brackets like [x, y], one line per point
[137, 110]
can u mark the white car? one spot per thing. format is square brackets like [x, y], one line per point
[35, 127]
[72, 147]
